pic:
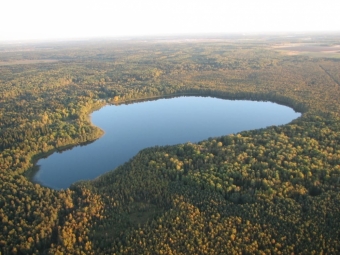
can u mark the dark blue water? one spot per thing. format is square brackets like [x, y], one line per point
[130, 128]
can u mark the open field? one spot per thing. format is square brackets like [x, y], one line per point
[308, 49]
[27, 62]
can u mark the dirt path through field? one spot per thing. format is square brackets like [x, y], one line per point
[329, 75]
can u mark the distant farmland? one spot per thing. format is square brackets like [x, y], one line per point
[310, 50]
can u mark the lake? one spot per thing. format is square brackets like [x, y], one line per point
[130, 128]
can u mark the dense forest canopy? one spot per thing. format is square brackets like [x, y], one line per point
[273, 190]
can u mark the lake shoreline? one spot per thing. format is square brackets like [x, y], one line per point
[203, 104]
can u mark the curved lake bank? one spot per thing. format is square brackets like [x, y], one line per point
[130, 128]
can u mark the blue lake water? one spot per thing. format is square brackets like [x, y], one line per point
[130, 128]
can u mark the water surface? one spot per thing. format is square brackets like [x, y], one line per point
[130, 128]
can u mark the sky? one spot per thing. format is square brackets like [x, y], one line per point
[63, 19]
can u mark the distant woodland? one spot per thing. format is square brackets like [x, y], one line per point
[266, 191]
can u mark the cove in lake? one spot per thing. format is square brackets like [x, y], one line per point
[130, 128]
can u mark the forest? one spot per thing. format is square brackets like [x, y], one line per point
[268, 191]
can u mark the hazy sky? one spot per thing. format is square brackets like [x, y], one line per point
[52, 19]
